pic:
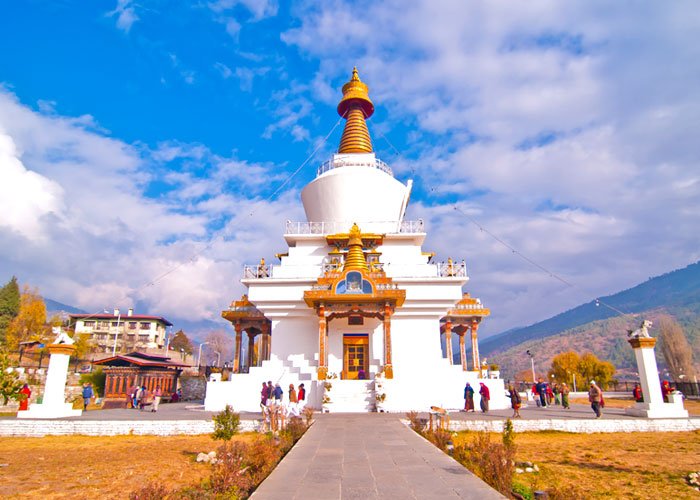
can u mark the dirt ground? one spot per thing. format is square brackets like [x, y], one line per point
[617, 465]
[99, 467]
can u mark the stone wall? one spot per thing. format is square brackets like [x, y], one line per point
[581, 426]
[194, 388]
[40, 428]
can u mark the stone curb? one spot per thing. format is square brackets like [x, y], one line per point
[579, 426]
[40, 428]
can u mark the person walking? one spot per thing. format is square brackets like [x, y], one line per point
[565, 396]
[24, 403]
[595, 396]
[87, 395]
[277, 393]
[557, 394]
[637, 393]
[515, 401]
[264, 394]
[157, 395]
[270, 392]
[485, 397]
[542, 392]
[468, 397]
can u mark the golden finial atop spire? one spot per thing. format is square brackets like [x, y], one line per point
[355, 258]
[355, 107]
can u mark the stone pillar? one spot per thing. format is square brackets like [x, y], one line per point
[251, 349]
[54, 401]
[237, 352]
[322, 343]
[653, 405]
[388, 366]
[448, 340]
[463, 351]
[475, 346]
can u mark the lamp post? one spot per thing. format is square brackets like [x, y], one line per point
[116, 334]
[532, 365]
[218, 357]
[199, 356]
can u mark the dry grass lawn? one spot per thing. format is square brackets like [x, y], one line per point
[99, 467]
[616, 465]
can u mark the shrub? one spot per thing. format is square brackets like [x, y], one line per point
[440, 438]
[308, 413]
[295, 429]
[151, 491]
[492, 462]
[226, 424]
[416, 423]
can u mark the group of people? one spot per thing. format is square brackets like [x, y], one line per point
[274, 396]
[469, 397]
[140, 397]
[546, 394]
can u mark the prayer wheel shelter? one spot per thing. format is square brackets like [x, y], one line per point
[137, 368]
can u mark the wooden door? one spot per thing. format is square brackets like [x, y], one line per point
[355, 356]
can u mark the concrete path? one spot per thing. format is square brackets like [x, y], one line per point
[368, 456]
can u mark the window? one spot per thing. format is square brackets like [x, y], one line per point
[89, 324]
[145, 325]
[115, 323]
[103, 324]
[132, 325]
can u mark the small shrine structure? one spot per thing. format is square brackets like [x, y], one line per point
[124, 371]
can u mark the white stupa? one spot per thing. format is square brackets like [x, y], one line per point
[356, 310]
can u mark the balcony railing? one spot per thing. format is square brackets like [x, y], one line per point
[353, 162]
[322, 228]
[257, 271]
[452, 269]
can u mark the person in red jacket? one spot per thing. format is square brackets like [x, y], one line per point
[24, 403]
[485, 397]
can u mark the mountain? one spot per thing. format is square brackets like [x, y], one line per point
[601, 330]
[54, 307]
[677, 290]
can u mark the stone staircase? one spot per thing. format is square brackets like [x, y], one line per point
[351, 396]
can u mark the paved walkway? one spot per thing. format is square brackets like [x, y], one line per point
[368, 456]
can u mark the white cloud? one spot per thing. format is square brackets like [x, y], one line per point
[81, 226]
[25, 196]
[570, 131]
[125, 12]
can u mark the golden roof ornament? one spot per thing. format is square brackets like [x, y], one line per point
[355, 107]
[355, 258]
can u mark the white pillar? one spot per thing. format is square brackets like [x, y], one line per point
[54, 401]
[653, 405]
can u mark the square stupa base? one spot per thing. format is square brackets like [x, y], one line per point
[50, 411]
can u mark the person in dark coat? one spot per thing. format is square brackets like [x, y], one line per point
[468, 397]
[515, 401]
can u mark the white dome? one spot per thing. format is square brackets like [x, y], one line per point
[356, 188]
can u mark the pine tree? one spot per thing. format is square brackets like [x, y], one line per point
[9, 306]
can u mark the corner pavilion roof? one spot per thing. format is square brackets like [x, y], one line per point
[139, 359]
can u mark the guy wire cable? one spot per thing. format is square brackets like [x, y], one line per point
[513, 250]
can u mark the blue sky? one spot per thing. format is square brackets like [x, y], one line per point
[140, 138]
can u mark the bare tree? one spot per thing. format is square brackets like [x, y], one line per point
[221, 342]
[676, 349]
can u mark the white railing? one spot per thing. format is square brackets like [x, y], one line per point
[353, 162]
[390, 227]
[452, 269]
[256, 271]
[469, 307]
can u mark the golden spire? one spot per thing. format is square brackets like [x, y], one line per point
[355, 258]
[355, 107]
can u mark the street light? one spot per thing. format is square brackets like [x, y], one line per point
[116, 335]
[532, 365]
[199, 356]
